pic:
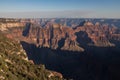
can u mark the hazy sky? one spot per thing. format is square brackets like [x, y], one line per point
[60, 8]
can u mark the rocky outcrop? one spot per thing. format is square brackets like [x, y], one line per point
[6, 26]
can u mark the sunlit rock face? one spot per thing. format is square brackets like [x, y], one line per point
[6, 24]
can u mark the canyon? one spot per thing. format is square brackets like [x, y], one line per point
[81, 50]
[57, 36]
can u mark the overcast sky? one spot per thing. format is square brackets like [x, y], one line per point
[60, 8]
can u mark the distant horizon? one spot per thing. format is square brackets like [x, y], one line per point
[60, 9]
[44, 15]
[55, 18]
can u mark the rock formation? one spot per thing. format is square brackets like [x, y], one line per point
[58, 36]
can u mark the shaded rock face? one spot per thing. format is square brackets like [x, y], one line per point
[83, 39]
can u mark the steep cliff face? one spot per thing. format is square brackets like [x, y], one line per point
[53, 36]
